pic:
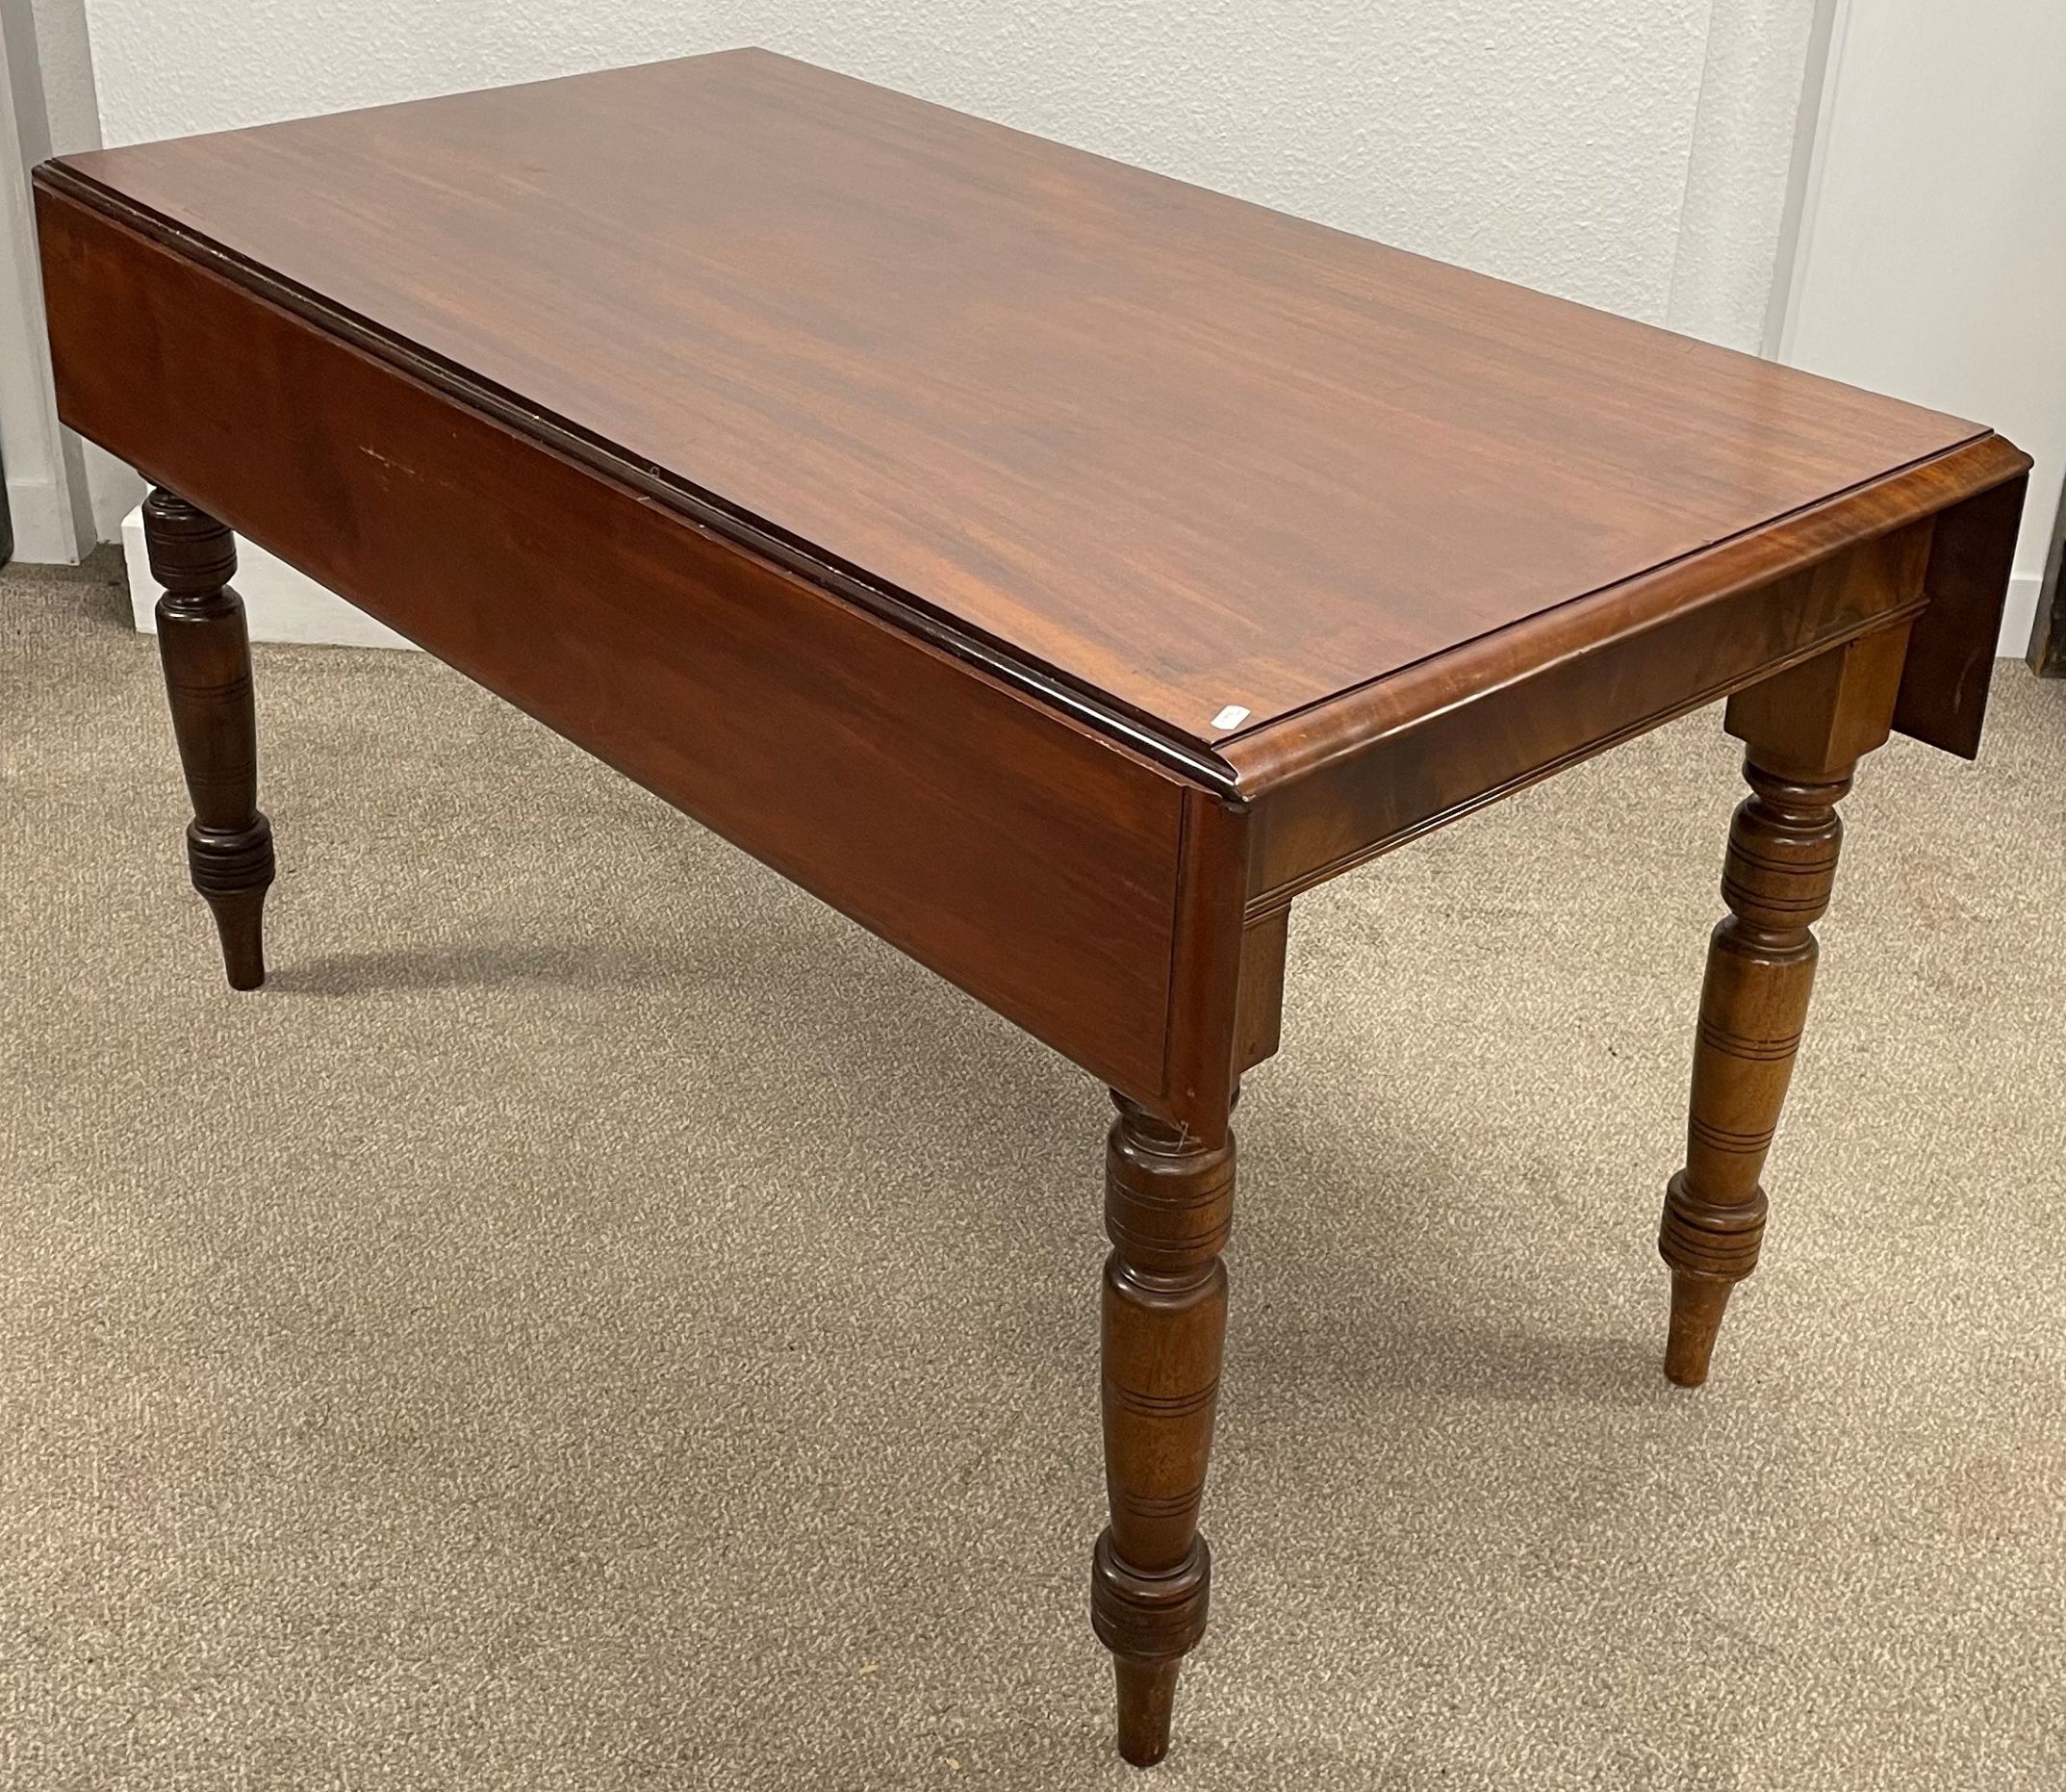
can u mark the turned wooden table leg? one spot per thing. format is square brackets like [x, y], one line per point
[1168, 1206]
[1805, 730]
[207, 659]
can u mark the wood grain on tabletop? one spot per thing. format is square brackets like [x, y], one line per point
[1186, 452]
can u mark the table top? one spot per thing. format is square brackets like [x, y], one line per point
[1205, 462]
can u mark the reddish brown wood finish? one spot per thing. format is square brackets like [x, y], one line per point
[917, 503]
[1063, 880]
[1265, 942]
[1184, 451]
[1943, 698]
[207, 660]
[1377, 766]
[1805, 730]
[1168, 1208]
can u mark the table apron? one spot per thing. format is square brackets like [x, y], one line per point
[1438, 766]
[1084, 893]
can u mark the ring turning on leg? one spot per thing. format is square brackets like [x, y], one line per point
[1805, 730]
[1760, 970]
[1169, 1205]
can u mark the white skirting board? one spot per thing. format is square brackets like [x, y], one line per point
[282, 604]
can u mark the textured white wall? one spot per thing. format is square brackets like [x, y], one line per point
[1549, 141]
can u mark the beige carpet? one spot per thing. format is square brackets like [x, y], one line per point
[598, 1320]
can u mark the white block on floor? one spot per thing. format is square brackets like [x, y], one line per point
[280, 603]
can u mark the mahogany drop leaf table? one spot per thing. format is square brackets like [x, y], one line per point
[1056, 566]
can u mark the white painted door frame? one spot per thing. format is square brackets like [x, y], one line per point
[71, 495]
[46, 479]
[1929, 245]
[1811, 154]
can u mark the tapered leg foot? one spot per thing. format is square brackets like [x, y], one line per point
[1710, 1245]
[239, 907]
[1149, 1623]
[1698, 1304]
[1169, 1205]
[207, 657]
[1147, 1700]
